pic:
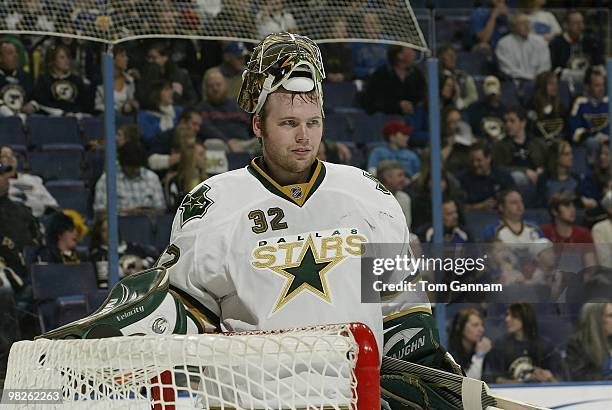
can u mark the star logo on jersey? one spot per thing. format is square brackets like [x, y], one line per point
[307, 274]
[195, 204]
[379, 186]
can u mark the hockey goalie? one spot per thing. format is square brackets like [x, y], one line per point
[278, 244]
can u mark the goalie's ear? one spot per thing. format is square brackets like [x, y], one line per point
[258, 126]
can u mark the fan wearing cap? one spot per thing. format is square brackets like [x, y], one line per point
[396, 134]
[486, 116]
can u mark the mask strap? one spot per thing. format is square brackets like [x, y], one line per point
[265, 90]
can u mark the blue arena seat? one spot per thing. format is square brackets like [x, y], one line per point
[336, 127]
[50, 164]
[366, 128]
[339, 94]
[70, 194]
[238, 160]
[93, 128]
[61, 292]
[136, 228]
[12, 133]
[53, 130]
[580, 164]
[163, 228]
[477, 221]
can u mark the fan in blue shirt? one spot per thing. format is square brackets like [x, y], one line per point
[397, 135]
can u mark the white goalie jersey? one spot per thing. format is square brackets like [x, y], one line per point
[250, 254]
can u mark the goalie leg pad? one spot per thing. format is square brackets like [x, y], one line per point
[140, 304]
[403, 391]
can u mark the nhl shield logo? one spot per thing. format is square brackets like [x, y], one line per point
[195, 204]
[296, 192]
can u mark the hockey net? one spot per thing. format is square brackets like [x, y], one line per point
[114, 21]
[325, 367]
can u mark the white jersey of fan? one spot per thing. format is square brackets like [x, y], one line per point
[259, 256]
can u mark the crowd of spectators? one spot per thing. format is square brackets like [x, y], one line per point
[542, 151]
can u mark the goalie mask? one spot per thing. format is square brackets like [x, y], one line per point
[281, 59]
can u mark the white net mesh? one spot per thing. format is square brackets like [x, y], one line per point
[113, 21]
[312, 368]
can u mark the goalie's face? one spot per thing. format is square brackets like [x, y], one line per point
[290, 130]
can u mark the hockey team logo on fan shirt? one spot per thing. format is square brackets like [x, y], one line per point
[304, 260]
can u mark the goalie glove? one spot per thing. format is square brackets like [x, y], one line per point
[140, 304]
[414, 337]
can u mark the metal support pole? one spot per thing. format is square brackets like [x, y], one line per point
[111, 168]
[436, 176]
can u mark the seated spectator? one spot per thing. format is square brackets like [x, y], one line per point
[522, 155]
[396, 133]
[482, 181]
[138, 188]
[395, 88]
[488, 24]
[232, 67]
[231, 12]
[392, 175]
[26, 188]
[574, 51]
[602, 233]
[456, 140]
[522, 356]
[123, 86]
[598, 180]
[16, 86]
[132, 256]
[94, 163]
[589, 348]
[454, 232]
[161, 68]
[559, 176]
[222, 118]
[62, 238]
[421, 191]
[161, 156]
[16, 219]
[542, 22]
[159, 114]
[13, 273]
[467, 343]
[511, 227]
[505, 266]
[468, 92]
[545, 110]
[369, 57]
[486, 116]
[335, 152]
[274, 18]
[338, 56]
[563, 228]
[546, 273]
[58, 91]
[450, 95]
[588, 121]
[520, 54]
[190, 172]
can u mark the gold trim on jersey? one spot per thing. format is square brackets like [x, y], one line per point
[421, 309]
[295, 193]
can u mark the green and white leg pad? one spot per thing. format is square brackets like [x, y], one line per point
[140, 304]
